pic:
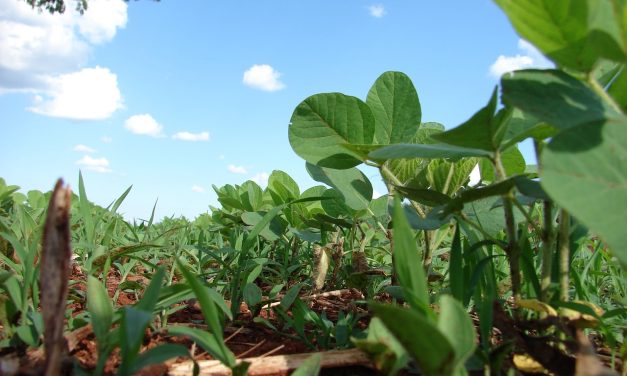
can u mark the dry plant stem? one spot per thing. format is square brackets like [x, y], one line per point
[564, 254]
[548, 237]
[54, 276]
[513, 249]
[276, 365]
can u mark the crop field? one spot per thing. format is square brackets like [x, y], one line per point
[522, 272]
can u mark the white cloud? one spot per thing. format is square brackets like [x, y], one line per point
[376, 194]
[89, 94]
[377, 10]
[106, 139]
[263, 77]
[187, 136]
[261, 179]
[83, 149]
[237, 169]
[144, 125]
[94, 164]
[531, 58]
[37, 46]
[198, 189]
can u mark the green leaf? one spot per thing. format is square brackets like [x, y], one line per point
[456, 267]
[351, 183]
[290, 296]
[427, 197]
[252, 294]
[482, 131]
[133, 327]
[386, 353]
[100, 308]
[309, 367]
[209, 342]
[396, 108]
[407, 262]
[272, 231]
[282, 187]
[618, 89]
[572, 33]
[151, 294]
[251, 238]
[158, 355]
[322, 123]
[585, 172]
[448, 177]
[455, 324]
[425, 151]
[513, 163]
[421, 338]
[554, 97]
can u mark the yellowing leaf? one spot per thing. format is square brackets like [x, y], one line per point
[536, 305]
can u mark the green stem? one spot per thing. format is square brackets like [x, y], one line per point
[513, 249]
[564, 254]
[600, 91]
[548, 238]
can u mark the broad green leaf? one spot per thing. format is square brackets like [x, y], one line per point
[421, 338]
[432, 221]
[99, 307]
[351, 183]
[407, 262]
[425, 151]
[482, 131]
[585, 172]
[309, 367]
[272, 231]
[521, 126]
[252, 294]
[561, 29]
[322, 123]
[447, 177]
[396, 108]
[606, 24]
[158, 355]
[427, 197]
[488, 214]
[283, 187]
[513, 163]
[251, 238]
[554, 97]
[335, 206]
[455, 324]
[251, 195]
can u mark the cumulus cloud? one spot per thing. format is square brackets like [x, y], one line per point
[94, 164]
[89, 94]
[263, 77]
[144, 125]
[261, 179]
[237, 169]
[377, 10]
[187, 136]
[83, 149]
[530, 58]
[198, 189]
[39, 50]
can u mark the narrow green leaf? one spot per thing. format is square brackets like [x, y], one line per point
[309, 367]
[396, 108]
[151, 294]
[456, 268]
[411, 276]
[322, 123]
[133, 327]
[455, 324]
[158, 355]
[421, 338]
[290, 296]
[99, 307]
[209, 342]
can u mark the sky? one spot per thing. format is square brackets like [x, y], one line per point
[173, 97]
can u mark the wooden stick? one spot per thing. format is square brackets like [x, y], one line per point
[275, 365]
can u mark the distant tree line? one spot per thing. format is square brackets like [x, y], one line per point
[58, 6]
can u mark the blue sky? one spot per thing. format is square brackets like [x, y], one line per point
[174, 96]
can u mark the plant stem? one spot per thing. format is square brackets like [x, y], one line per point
[564, 254]
[513, 249]
[548, 237]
